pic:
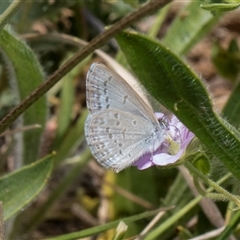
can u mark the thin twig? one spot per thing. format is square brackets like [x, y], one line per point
[21, 129]
[150, 226]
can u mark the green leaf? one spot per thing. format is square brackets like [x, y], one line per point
[219, 7]
[25, 76]
[17, 189]
[72, 138]
[201, 162]
[159, 19]
[67, 180]
[228, 64]
[64, 117]
[191, 24]
[175, 86]
[66, 104]
[227, 61]
[232, 108]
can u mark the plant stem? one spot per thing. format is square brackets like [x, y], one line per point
[214, 185]
[8, 13]
[214, 196]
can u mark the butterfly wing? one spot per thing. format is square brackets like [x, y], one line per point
[117, 138]
[121, 127]
[107, 90]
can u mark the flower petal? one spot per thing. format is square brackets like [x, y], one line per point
[164, 159]
[144, 162]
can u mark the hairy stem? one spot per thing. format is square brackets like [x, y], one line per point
[212, 184]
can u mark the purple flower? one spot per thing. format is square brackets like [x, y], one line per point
[176, 141]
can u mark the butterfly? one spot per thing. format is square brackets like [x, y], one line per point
[121, 126]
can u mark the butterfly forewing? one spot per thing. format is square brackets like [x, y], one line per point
[107, 90]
